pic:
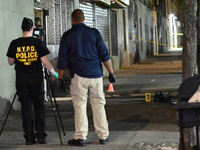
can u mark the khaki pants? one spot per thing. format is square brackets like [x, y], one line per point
[82, 89]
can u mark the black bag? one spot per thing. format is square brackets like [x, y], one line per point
[160, 97]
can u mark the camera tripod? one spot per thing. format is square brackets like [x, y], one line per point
[54, 106]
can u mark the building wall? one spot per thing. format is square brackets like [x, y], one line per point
[144, 18]
[11, 14]
[133, 32]
[155, 33]
[120, 32]
[172, 9]
[126, 56]
[141, 31]
[57, 22]
[162, 26]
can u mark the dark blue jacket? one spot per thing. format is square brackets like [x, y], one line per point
[82, 50]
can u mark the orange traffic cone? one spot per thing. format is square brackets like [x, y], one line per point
[110, 88]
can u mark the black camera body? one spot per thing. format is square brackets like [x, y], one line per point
[39, 31]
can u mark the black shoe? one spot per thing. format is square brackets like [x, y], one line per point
[41, 137]
[103, 141]
[78, 142]
[30, 142]
[42, 141]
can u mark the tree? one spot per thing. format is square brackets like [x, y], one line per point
[189, 59]
[188, 17]
[198, 35]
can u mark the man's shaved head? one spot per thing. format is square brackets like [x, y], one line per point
[78, 16]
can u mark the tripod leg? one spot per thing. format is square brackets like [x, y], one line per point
[59, 116]
[8, 113]
[50, 90]
[53, 109]
[56, 105]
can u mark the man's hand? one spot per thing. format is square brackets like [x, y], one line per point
[111, 78]
[63, 85]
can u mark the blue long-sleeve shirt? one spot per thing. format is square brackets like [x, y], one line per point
[82, 50]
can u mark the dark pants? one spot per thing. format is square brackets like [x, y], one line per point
[30, 89]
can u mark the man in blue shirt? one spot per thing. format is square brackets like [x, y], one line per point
[82, 51]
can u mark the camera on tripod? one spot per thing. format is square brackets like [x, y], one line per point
[39, 31]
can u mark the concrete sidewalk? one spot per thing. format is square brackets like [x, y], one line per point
[134, 124]
[127, 140]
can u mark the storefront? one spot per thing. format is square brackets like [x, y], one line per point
[97, 16]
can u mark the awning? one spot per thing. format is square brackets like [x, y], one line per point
[104, 2]
[113, 3]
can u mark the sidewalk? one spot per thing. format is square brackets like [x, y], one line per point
[134, 124]
[119, 140]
